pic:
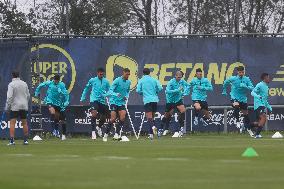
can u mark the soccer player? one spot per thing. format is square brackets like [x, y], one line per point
[240, 84]
[149, 87]
[260, 94]
[200, 86]
[176, 89]
[57, 99]
[18, 96]
[119, 93]
[99, 107]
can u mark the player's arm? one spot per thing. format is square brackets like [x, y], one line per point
[255, 92]
[112, 89]
[159, 86]
[170, 90]
[9, 97]
[186, 89]
[40, 86]
[225, 85]
[27, 93]
[128, 90]
[139, 87]
[208, 86]
[86, 89]
[249, 85]
[105, 94]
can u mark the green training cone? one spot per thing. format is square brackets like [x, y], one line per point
[250, 152]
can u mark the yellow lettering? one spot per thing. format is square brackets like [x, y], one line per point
[62, 67]
[155, 71]
[45, 66]
[183, 67]
[232, 67]
[272, 92]
[164, 73]
[54, 68]
[193, 71]
[213, 72]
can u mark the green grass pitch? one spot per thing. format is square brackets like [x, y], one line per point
[194, 161]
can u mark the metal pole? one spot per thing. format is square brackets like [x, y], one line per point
[237, 18]
[156, 19]
[225, 120]
[67, 18]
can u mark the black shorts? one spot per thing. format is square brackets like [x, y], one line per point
[150, 107]
[62, 115]
[170, 106]
[22, 114]
[116, 108]
[203, 104]
[259, 111]
[100, 108]
[242, 105]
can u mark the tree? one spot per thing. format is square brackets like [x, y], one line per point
[12, 21]
[87, 17]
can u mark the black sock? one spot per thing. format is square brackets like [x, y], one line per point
[237, 113]
[108, 128]
[181, 118]
[247, 122]
[258, 130]
[93, 123]
[151, 123]
[120, 127]
[102, 121]
[63, 125]
[196, 113]
[55, 125]
[165, 123]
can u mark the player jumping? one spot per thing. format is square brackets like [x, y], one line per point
[260, 94]
[176, 89]
[149, 87]
[240, 84]
[119, 93]
[99, 109]
[200, 86]
[57, 99]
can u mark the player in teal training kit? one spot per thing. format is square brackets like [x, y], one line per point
[176, 89]
[200, 86]
[260, 94]
[240, 85]
[118, 93]
[57, 99]
[149, 88]
[99, 109]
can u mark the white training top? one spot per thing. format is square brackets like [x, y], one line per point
[18, 95]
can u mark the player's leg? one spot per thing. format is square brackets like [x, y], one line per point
[111, 121]
[236, 113]
[23, 117]
[197, 109]
[165, 123]
[94, 113]
[62, 122]
[13, 119]
[54, 117]
[150, 109]
[103, 114]
[260, 122]
[244, 110]
[181, 118]
[204, 110]
[119, 129]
